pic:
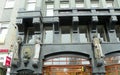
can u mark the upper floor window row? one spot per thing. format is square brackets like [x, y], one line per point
[66, 34]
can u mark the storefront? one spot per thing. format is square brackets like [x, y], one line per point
[113, 65]
[67, 66]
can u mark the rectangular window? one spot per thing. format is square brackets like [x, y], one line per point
[83, 32]
[3, 32]
[101, 33]
[94, 4]
[79, 4]
[109, 4]
[65, 34]
[64, 4]
[117, 29]
[49, 10]
[31, 5]
[48, 35]
[9, 3]
[30, 35]
[31, 0]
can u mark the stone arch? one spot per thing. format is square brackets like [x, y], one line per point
[67, 53]
[114, 53]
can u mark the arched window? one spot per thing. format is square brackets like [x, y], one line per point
[67, 61]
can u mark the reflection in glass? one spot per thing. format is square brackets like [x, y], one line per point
[48, 35]
[67, 61]
[101, 33]
[65, 34]
[117, 29]
[112, 60]
[83, 32]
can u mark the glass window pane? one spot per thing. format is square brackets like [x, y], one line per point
[101, 33]
[83, 31]
[49, 12]
[117, 29]
[3, 32]
[79, 5]
[30, 7]
[31, 0]
[95, 4]
[50, 6]
[9, 4]
[48, 63]
[66, 38]
[65, 34]
[64, 5]
[48, 35]
[109, 4]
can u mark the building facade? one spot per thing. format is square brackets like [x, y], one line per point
[61, 37]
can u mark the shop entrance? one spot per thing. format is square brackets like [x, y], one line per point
[67, 66]
[112, 65]
[67, 70]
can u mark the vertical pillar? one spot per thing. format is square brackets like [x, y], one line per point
[39, 4]
[75, 34]
[87, 3]
[102, 3]
[116, 3]
[111, 28]
[57, 4]
[56, 33]
[94, 21]
[22, 5]
[72, 3]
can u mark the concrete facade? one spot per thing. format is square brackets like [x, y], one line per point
[58, 17]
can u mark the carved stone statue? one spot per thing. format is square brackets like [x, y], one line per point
[98, 50]
[19, 40]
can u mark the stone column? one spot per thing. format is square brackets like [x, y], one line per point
[87, 3]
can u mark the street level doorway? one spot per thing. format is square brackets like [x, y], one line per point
[67, 66]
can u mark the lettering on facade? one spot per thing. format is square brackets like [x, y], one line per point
[3, 50]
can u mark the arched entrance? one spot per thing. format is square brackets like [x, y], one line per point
[67, 65]
[112, 65]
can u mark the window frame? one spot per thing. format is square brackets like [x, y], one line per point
[9, 4]
[3, 26]
[48, 9]
[28, 6]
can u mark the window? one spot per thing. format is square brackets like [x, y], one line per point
[67, 61]
[31, 5]
[109, 4]
[101, 33]
[65, 34]
[117, 29]
[9, 3]
[48, 35]
[94, 4]
[64, 4]
[112, 60]
[31, 0]
[3, 32]
[83, 32]
[49, 11]
[79, 4]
